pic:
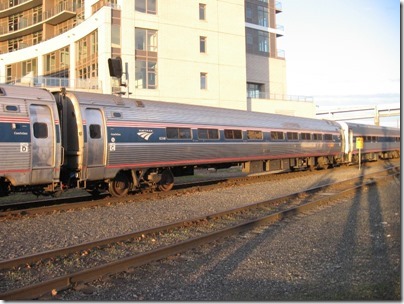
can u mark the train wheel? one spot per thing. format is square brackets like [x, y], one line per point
[119, 186]
[166, 182]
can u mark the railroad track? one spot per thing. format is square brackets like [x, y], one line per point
[81, 199]
[131, 250]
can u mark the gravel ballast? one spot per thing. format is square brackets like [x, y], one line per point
[347, 251]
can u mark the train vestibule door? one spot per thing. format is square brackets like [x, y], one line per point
[96, 140]
[42, 144]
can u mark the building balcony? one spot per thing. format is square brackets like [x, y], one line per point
[278, 7]
[265, 95]
[33, 23]
[280, 54]
[23, 5]
[92, 84]
[280, 30]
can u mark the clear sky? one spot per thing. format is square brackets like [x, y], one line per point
[342, 52]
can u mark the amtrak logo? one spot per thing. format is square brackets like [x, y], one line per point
[145, 134]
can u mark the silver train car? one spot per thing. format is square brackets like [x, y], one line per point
[102, 142]
[378, 142]
[30, 140]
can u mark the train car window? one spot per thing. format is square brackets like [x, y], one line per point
[317, 136]
[253, 134]
[208, 133]
[233, 134]
[292, 136]
[306, 136]
[368, 138]
[11, 108]
[374, 139]
[117, 114]
[328, 137]
[178, 133]
[40, 130]
[2, 92]
[275, 135]
[95, 131]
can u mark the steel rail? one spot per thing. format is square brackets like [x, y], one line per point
[28, 259]
[67, 281]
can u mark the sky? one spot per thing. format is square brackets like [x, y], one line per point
[342, 52]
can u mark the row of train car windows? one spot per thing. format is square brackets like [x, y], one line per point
[41, 131]
[376, 139]
[186, 133]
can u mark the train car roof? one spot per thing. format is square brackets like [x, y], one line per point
[373, 130]
[170, 112]
[23, 92]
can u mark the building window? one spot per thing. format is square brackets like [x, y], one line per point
[250, 40]
[263, 16]
[15, 44]
[202, 44]
[36, 38]
[146, 40]
[37, 14]
[146, 58]
[86, 61]
[255, 90]
[146, 74]
[56, 64]
[204, 81]
[202, 11]
[14, 22]
[258, 42]
[248, 12]
[263, 42]
[146, 6]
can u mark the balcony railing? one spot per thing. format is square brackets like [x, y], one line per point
[280, 54]
[6, 4]
[42, 81]
[264, 95]
[278, 6]
[55, 15]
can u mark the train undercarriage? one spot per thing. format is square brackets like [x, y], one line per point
[162, 179]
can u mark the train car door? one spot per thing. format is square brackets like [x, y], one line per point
[42, 144]
[95, 128]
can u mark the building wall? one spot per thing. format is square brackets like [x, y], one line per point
[229, 64]
[179, 59]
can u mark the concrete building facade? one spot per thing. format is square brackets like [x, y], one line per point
[220, 53]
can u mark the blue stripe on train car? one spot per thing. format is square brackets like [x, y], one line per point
[21, 132]
[135, 135]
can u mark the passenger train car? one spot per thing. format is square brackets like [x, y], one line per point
[52, 142]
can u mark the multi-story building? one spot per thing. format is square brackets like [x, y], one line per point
[208, 52]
